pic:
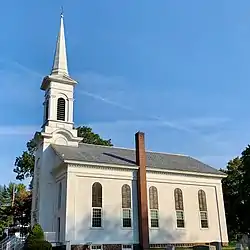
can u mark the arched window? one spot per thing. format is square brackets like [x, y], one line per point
[61, 109]
[179, 207]
[153, 206]
[59, 195]
[126, 206]
[96, 205]
[46, 109]
[203, 208]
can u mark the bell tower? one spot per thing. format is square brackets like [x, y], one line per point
[58, 125]
[57, 128]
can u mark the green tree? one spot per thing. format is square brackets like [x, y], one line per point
[4, 219]
[24, 164]
[245, 189]
[236, 190]
[9, 197]
[232, 199]
[90, 137]
[21, 207]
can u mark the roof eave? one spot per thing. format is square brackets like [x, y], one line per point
[155, 169]
[99, 164]
[151, 169]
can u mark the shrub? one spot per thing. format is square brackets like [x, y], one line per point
[37, 245]
[36, 233]
[63, 247]
[35, 240]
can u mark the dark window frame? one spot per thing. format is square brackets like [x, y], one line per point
[203, 208]
[154, 207]
[126, 206]
[179, 208]
[96, 205]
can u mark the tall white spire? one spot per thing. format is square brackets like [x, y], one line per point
[60, 65]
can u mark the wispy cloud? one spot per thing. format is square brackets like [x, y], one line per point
[114, 86]
[205, 132]
[155, 121]
[19, 83]
[205, 121]
[94, 80]
[188, 125]
[106, 100]
[17, 130]
[24, 68]
[116, 91]
[134, 110]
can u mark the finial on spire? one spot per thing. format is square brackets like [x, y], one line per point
[60, 66]
[62, 11]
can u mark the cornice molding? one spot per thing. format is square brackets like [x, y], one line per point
[149, 170]
[185, 174]
[121, 169]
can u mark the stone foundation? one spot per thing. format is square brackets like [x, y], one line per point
[79, 247]
[105, 247]
[112, 247]
[137, 247]
[189, 245]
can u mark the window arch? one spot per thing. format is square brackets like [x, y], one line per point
[97, 195]
[203, 208]
[153, 198]
[202, 200]
[61, 104]
[96, 205]
[126, 196]
[179, 207]
[153, 206]
[126, 206]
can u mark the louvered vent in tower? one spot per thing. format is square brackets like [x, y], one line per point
[46, 109]
[61, 109]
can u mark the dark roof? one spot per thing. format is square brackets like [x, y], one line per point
[126, 157]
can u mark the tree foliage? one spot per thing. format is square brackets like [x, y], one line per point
[36, 233]
[90, 137]
[236, 190]
[21, 209]
[4, 218]
[35, 240]
[15, 203]
[24, 164]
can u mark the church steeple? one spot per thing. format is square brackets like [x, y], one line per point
[60, 65]
[58, 122]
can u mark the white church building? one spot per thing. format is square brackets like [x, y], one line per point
[117, 198]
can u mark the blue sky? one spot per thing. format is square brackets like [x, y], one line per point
[177, 70]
